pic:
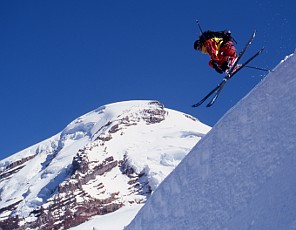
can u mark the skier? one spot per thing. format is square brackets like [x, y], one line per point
[219, 45]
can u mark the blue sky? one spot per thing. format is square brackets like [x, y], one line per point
[62, 59]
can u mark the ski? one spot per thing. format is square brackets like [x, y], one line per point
[221, 85]
[226, 78]
[242, 52]
[207, 96]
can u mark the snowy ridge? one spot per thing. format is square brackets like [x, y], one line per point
[104, 160]
[242, 174]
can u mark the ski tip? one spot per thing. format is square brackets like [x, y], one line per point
[210, 104]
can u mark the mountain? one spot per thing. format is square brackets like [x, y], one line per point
[242, 174]
[108, 160]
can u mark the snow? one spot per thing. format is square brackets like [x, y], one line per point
[241, 175]
[151, 148]
[45, 145]
[114, 221]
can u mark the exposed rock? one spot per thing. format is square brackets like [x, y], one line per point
[75, 179]
[14, 167]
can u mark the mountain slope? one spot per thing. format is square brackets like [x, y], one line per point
[242, 174]
[109, 158]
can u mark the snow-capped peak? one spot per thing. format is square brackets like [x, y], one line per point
[111, 157]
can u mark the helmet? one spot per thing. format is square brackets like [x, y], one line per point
[197, 45]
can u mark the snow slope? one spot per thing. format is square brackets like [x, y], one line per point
[242, 174]
[113, 221]
[104, 160]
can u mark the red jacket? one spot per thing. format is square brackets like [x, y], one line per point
[218, 51]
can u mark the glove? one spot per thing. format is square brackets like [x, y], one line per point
[225, 66]
[216, 67]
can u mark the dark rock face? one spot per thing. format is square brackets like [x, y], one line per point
[64, 210]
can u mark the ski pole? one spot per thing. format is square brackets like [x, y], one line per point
[197, 22]
[254, 67]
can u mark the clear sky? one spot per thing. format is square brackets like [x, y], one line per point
[62, 59]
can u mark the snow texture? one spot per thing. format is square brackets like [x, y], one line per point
[242, 174]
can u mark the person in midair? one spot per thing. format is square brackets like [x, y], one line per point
[219, 45]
